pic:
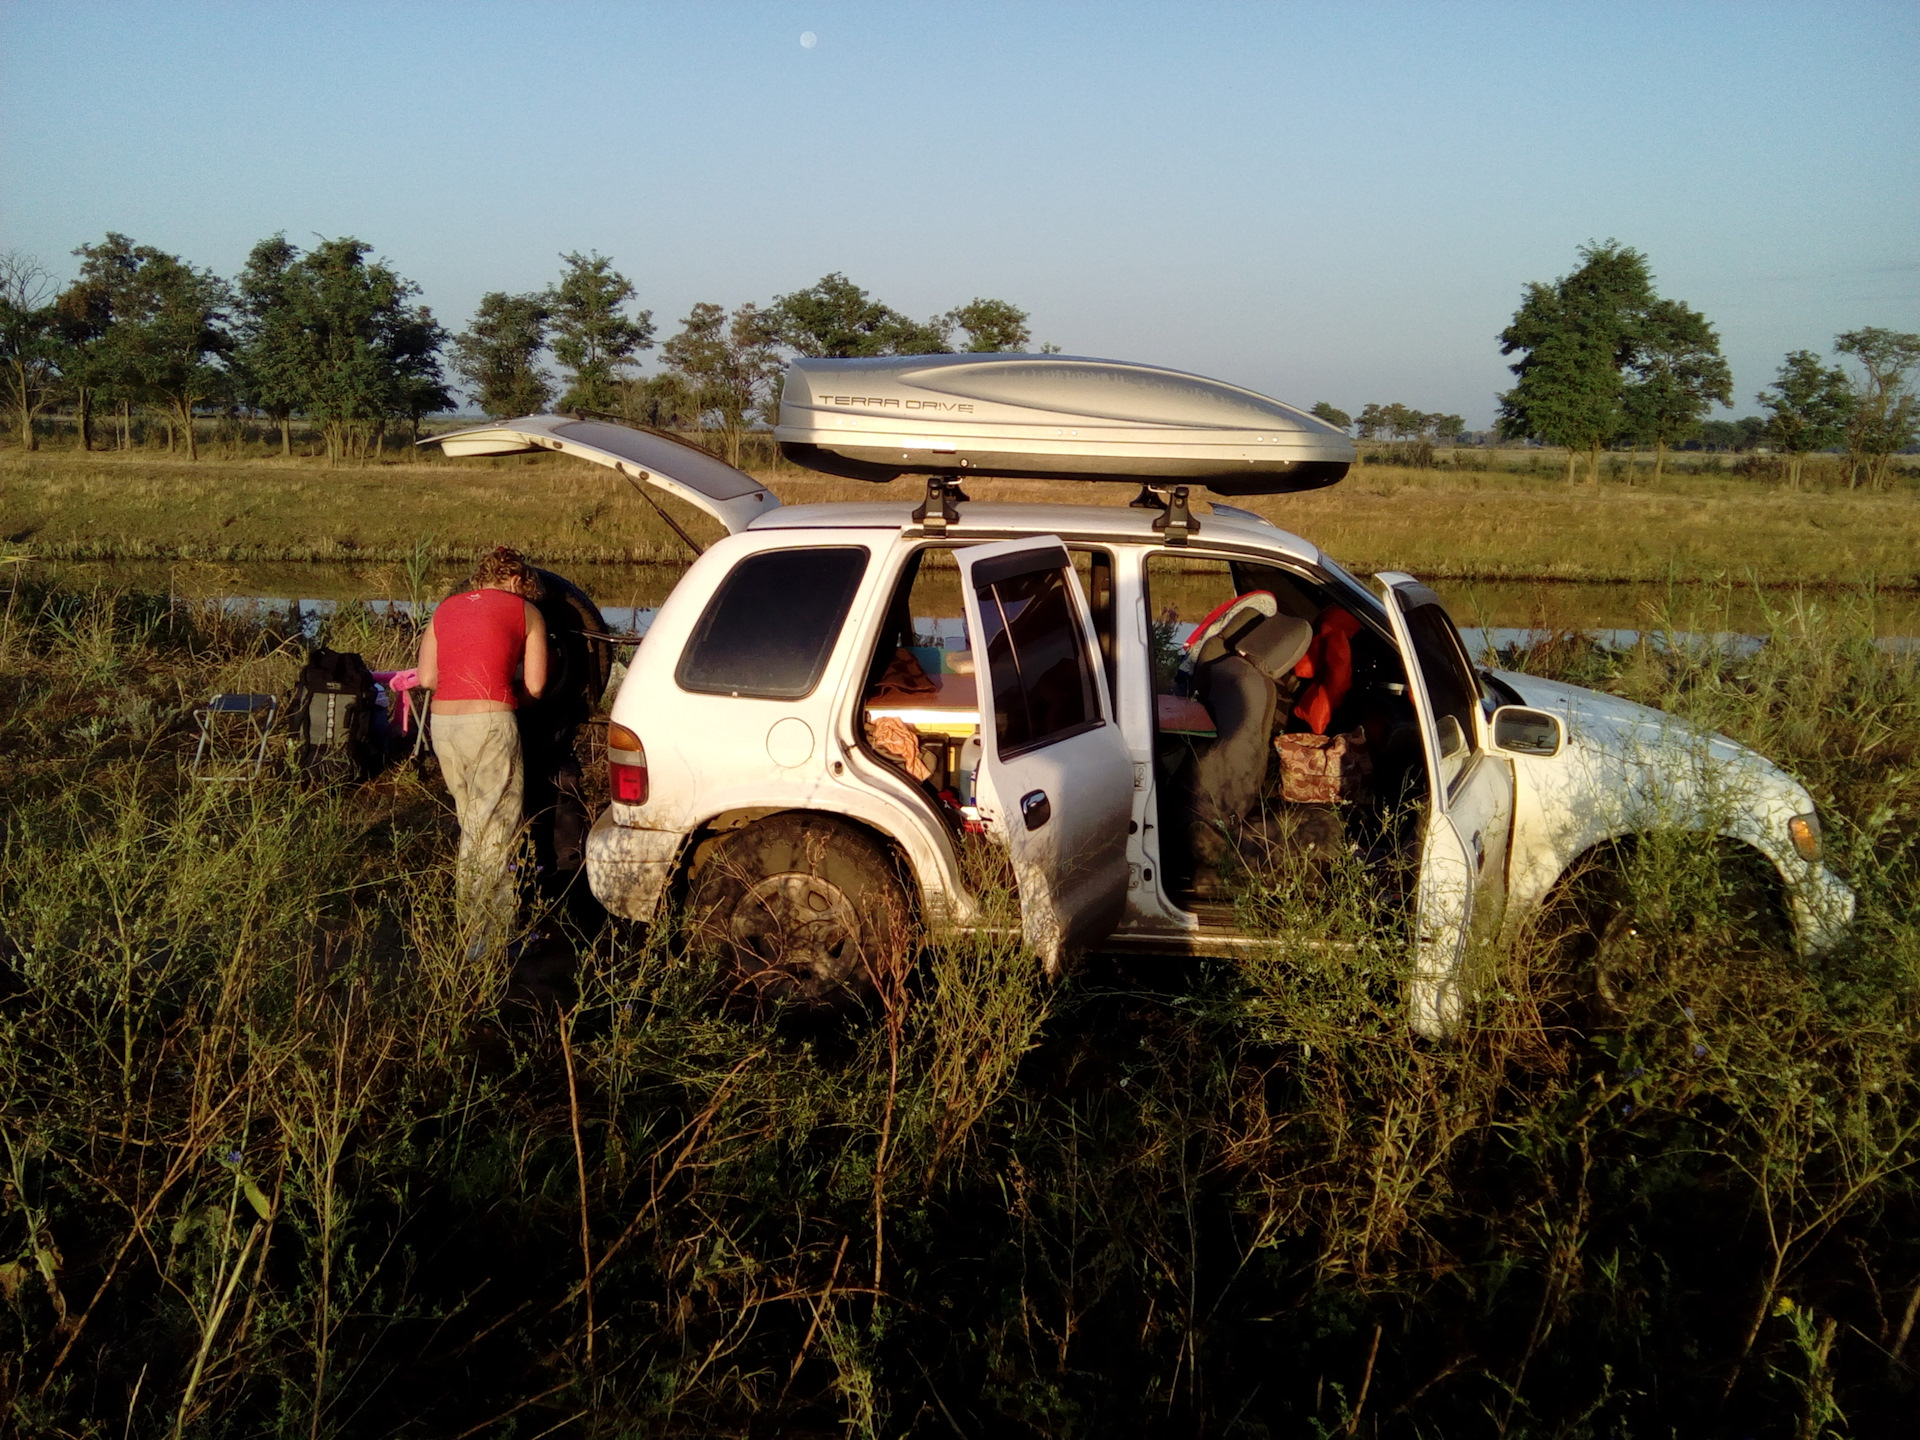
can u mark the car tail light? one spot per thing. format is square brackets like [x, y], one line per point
[626, 766]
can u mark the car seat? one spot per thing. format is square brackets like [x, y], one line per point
[1239, 656]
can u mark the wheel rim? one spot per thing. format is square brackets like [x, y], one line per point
[1620, 963]
[800, 928]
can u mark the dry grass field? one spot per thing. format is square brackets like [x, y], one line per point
[1443, 523]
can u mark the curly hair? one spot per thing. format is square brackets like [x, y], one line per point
[507, 569]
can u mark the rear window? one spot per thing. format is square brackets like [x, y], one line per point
[770, 627]
[1043, 687]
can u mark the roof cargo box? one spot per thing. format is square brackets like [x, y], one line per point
[1054, 417]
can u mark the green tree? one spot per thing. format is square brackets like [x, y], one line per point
[1448, 428]
[29, 340]
[1404, 422]
[664, 401]
[269, 362]
[593, 338]
[161, 328]
[182, 336]
[499, 354]
[1678, 375]
[835, 318]
[991, 325]
[1884, 419]
[1372, 422]
[1326, 410]
[102, 348]
[727, 362]
[1810, 405]
[85, 324]
[1578, 335]
[369, 355]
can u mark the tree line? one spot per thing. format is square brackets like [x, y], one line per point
[721, 370]
[1393, 422]
[340, 341]
[1606, 361]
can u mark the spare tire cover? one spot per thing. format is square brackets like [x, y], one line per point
[578, 664]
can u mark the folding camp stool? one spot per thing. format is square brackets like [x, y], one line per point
[225, 719]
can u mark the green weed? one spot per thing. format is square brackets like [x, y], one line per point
[277, 1158]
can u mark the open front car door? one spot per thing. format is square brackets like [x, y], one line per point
[704, 481]
[1056, 780]
[1469, 819]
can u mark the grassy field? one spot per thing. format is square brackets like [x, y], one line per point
[1442, 523]
[277, 1158]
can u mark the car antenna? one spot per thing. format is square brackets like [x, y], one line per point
[1176, 521]
[940, 509]
[674, 525]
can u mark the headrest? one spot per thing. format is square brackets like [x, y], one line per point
[1274, 646]
[1212, 637]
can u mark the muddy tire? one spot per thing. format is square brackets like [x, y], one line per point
[800, 910]
[1611, 955]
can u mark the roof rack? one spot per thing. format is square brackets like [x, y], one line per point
[941, 507]
[1176, 521]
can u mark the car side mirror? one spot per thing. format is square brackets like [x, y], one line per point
[1453, 740]
[1520, 730]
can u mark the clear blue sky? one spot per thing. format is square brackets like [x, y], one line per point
[1321, 201]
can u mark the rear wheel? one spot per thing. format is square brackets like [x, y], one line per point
[801, 910]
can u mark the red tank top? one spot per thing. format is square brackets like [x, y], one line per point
[481, 636]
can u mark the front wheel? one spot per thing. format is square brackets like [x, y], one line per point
[1639, 939]
[802, 910]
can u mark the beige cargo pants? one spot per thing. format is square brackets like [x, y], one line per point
[480, 761]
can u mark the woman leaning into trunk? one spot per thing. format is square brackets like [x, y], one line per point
[485, 652]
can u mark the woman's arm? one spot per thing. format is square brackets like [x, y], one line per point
[429, 659]
[533, 669]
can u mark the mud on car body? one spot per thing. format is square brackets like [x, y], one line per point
[843, 710]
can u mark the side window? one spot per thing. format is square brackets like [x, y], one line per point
[1035, 651]
[1095, 569]
[1182, 590]
[1450, 685]
[770, 627]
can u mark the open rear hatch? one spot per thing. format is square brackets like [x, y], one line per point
[707, 483]
[1055, 417]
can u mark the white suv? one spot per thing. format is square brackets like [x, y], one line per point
[838, 702]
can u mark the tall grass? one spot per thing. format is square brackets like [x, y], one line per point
[1449, 520]
[277, 1159]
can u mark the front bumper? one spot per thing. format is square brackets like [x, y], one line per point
[628, 868]
[1822, 906]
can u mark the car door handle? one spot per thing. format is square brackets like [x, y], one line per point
[1479, 851]
[1035, 809]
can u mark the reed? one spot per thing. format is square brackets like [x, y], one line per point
[278, 1159]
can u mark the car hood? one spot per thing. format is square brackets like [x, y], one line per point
[1596, 720]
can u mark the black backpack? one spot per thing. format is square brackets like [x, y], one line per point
[333, 717]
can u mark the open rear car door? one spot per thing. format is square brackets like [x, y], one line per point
[1463, 844]
[704, 481]
[1056, 779]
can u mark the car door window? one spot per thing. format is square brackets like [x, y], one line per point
[1043, 685]
[1450, 686]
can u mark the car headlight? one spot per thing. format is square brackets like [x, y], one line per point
[1805, 830]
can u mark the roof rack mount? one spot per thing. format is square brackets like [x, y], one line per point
[1176, 520]
[941, 508]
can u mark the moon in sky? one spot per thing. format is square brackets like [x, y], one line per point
[808, 40]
